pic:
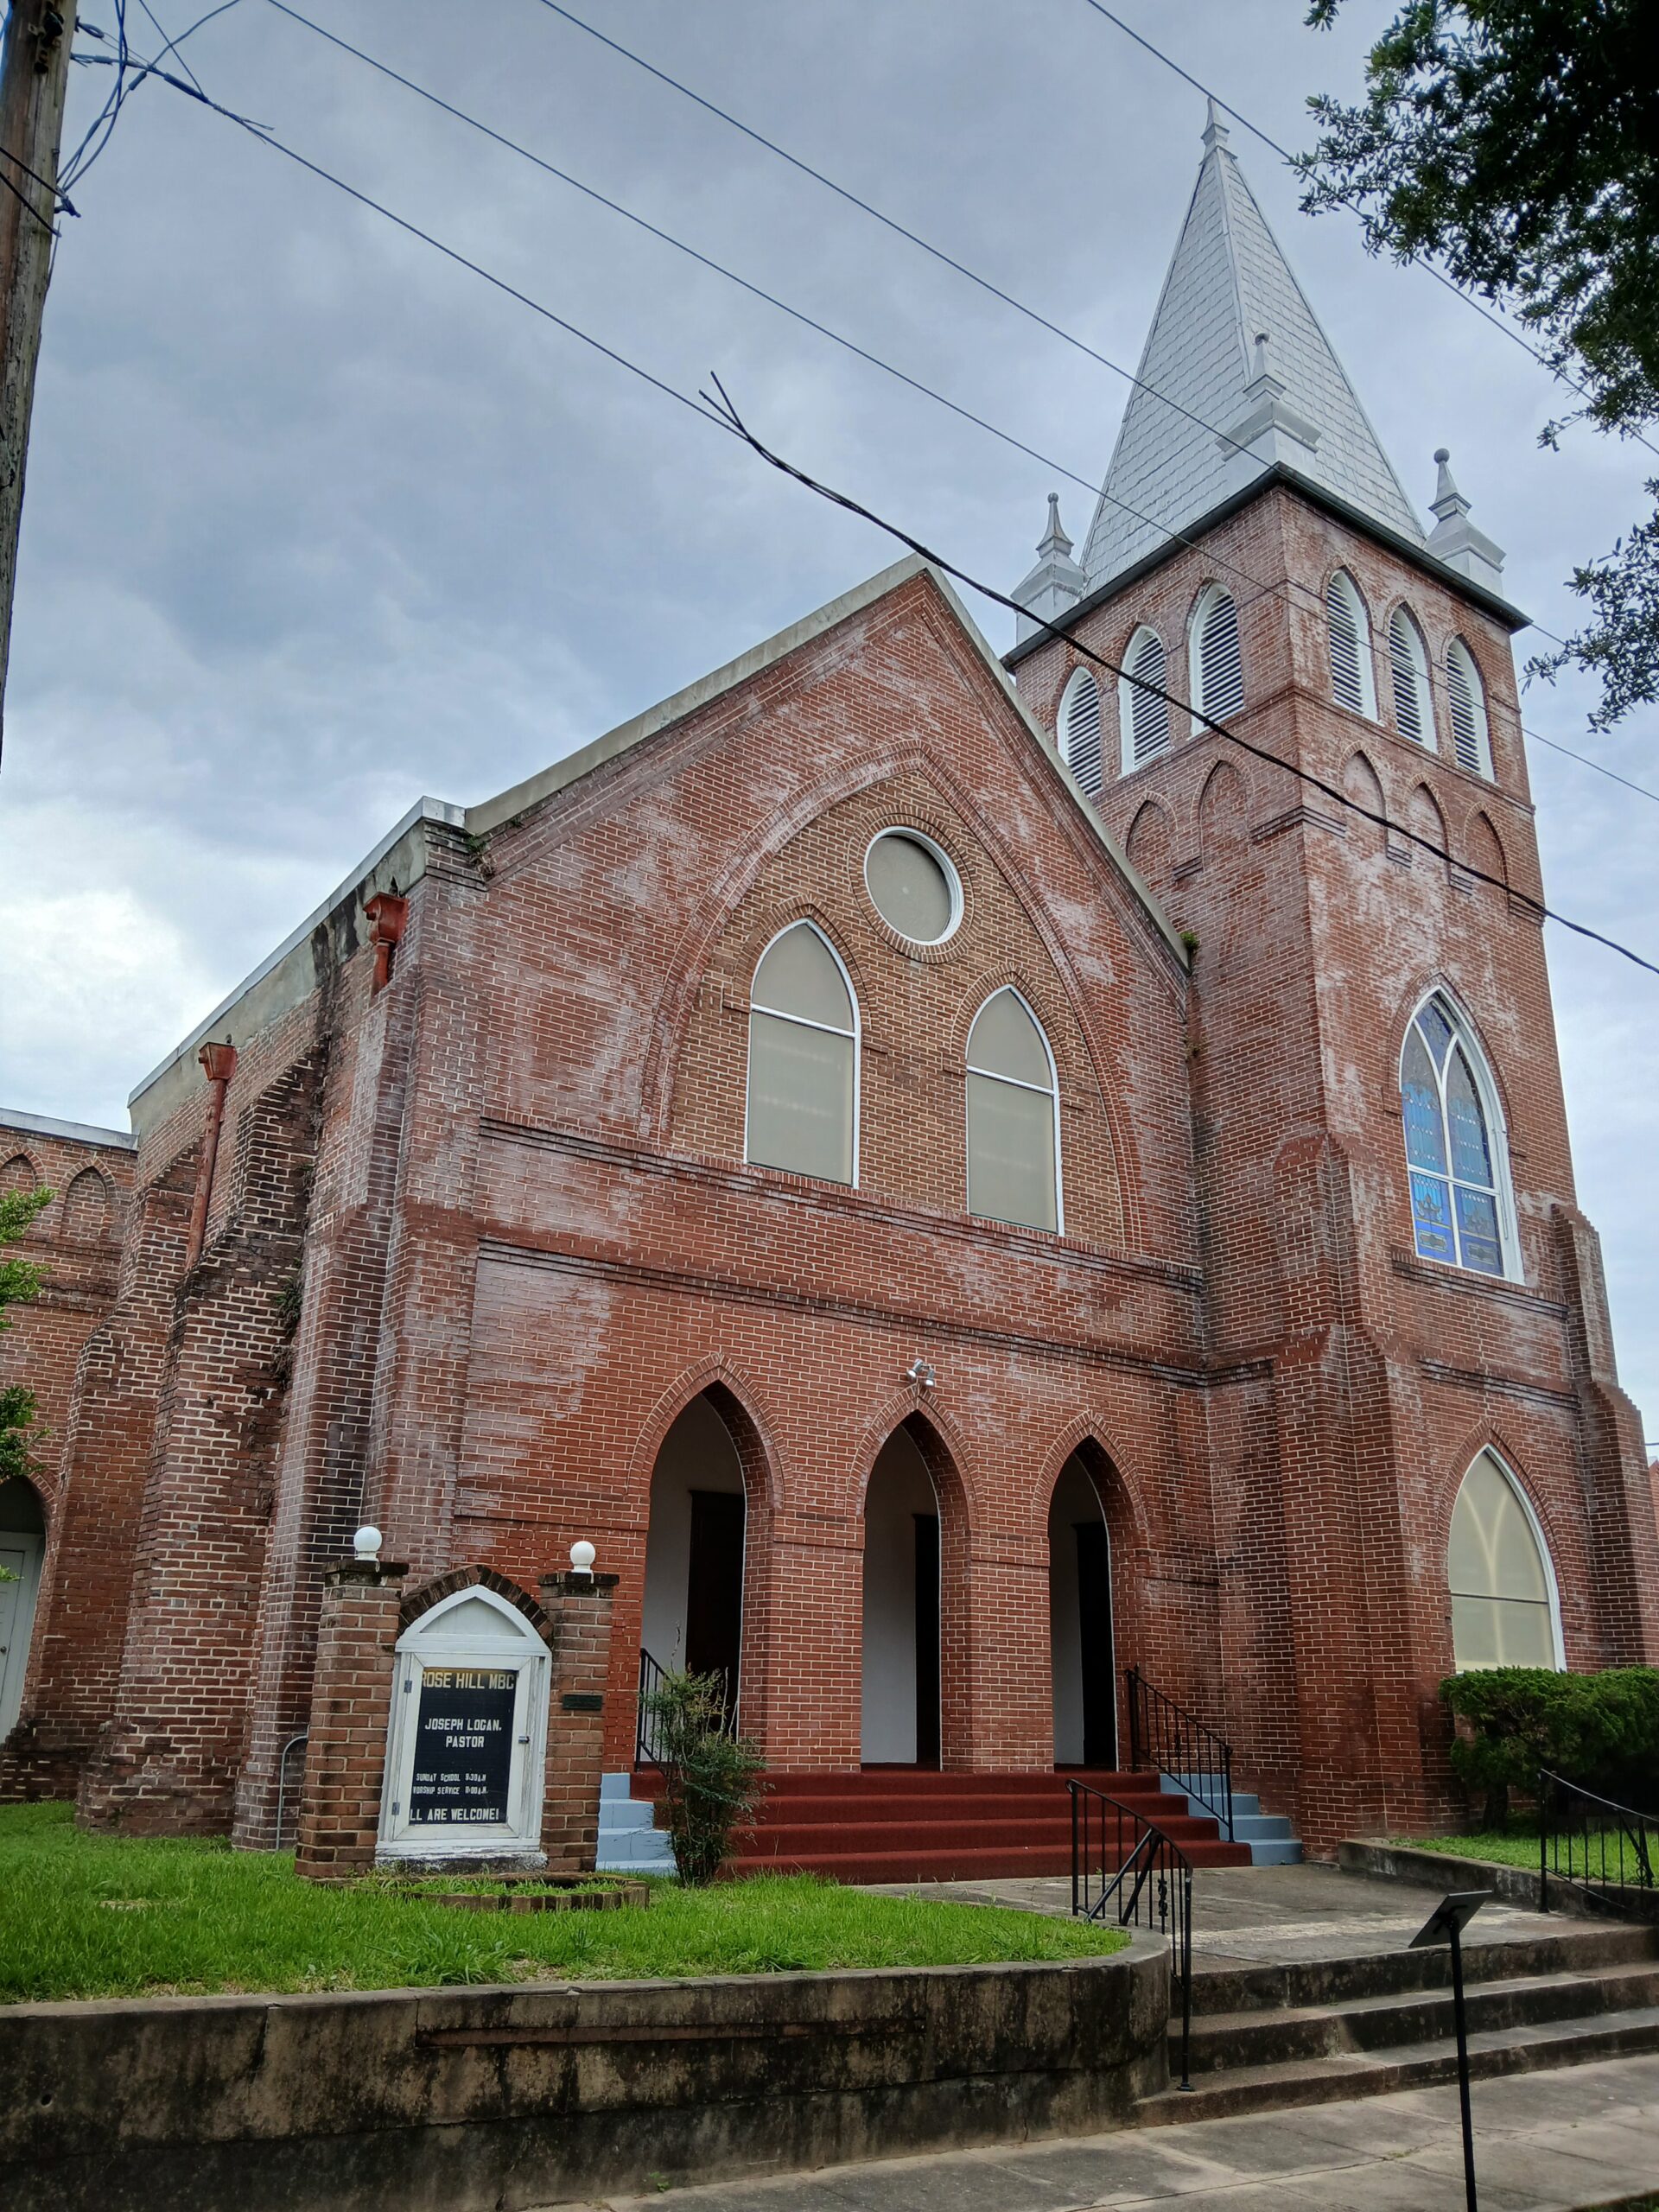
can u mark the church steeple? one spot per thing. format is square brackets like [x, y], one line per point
[1234, 349]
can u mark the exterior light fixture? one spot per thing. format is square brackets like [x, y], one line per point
[920, 1374]
[582, 1556]
[365, 1544]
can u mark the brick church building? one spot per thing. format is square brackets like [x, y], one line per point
[956, 1178]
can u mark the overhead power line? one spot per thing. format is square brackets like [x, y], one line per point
[1417, 260]
[723, 417]
[1102, 660]
[839, 338]
[771, 299]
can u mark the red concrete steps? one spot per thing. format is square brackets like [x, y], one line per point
[908, 1824]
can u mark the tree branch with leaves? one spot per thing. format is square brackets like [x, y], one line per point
[1516, 143]
[20, 1285]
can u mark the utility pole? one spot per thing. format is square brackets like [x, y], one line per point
[33, 79]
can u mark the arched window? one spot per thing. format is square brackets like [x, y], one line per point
[1503, 1608]
[1080, 731]
[1142, 714]
[1466, 696]
[1353, 684]
[86, 1207]
[1414, 702]
[802, 1107]
[1215, 670]
[1455, 1153]
[1014, 1143]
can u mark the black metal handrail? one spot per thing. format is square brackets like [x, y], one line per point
[1125, 1866]
[646, 1741]
[1608, 1850]
[1166, 1735]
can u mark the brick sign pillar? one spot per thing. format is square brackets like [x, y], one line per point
[345, 1753]
[578, 1607]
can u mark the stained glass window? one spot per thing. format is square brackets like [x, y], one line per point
[1451, 1156]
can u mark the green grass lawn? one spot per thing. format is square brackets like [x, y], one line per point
[97, 1916]
[1517, 1846]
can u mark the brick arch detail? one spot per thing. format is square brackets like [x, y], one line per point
[1479, 819]
[1083, 1429]
[1225, 779]
[475, 1576]
[687, 968]
[939, 1442]
[11, 1180]
[753, 1436]
[1483, 1435]
[902, 1406]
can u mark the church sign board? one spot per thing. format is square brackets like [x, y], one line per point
[466, 1744]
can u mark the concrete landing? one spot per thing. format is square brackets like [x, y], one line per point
[1554, 2143]
[1278, 1915]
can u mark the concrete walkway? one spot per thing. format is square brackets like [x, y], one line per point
[1558, 2142]
[1275, 1916]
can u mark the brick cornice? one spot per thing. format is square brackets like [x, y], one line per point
[868, 1311]
[1504, 1386]
[786, 1190]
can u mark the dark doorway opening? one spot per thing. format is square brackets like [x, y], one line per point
[1080, 1622]
[713, 1596]
[927, 1639]
[1095, 1619]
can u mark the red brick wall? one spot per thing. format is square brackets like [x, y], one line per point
[78, 1240]
[1319, 934]
[512, 1187]
[346, 1754]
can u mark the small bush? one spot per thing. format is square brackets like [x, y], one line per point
[711, 1779]
[1600, 1730]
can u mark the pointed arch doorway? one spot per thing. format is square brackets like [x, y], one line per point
[900, 1722]
[694, 1551]
[22, 1545]
[1080, 1645]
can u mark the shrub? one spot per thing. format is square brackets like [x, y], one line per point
[711, 1779]
[1600, 1730]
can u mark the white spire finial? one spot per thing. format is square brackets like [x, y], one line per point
[1443, 487]
[1054, 539]
[1454, 538]
[1215, 130]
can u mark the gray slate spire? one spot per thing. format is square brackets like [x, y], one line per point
[1284, 400]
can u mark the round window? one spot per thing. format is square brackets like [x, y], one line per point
[914, 886]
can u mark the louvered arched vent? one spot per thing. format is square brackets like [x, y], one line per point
[1145, 711]
[1414, 707]
[1218, 672]
[1466, 699]
[1350, 647]
[1080, 746]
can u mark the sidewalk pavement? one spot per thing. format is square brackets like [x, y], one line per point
[1562, 2141]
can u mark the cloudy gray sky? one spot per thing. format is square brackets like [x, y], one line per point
[318, 522]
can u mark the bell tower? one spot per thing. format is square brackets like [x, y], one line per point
[1398, 1278]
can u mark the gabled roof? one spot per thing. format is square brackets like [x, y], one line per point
[508, 807]
[288, 974]
[1288, 403]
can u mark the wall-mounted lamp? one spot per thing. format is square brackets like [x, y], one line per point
[920, 1374]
